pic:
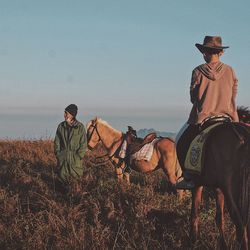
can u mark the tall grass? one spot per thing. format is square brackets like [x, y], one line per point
[38, 212]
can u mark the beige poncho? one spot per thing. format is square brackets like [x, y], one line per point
[213, 91]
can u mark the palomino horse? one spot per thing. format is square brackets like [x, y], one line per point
[164, 153]
[227, 169]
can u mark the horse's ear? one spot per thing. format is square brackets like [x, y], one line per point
[94, 120]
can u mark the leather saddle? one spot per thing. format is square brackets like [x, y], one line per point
[214, 119]
[135, 143]
[188, 148]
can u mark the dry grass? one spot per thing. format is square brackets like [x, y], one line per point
[37, 212]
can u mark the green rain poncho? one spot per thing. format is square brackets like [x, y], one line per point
[70, 145]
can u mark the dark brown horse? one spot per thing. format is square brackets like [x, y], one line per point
[227, 169]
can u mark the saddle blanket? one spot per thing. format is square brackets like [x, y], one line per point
[145, 153]
[122, 153]
[194, 157]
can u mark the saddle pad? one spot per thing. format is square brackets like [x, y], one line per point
[145, 153]
[122, 153]
[194, 157]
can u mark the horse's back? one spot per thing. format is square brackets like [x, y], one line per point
[232, 137]
[165, 143]
[163, 149]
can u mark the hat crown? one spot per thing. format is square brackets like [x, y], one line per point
[213, 41]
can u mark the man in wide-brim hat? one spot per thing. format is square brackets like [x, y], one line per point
[213, 92]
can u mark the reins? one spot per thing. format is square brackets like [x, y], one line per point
[120, 160]
[92, 132]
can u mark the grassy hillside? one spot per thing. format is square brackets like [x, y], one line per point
[37, 212]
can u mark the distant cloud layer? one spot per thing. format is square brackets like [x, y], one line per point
[42, 123]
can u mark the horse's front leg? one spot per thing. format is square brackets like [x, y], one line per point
[121, 175]
[194, 220]
[219, 218]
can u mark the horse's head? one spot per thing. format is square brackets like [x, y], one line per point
[99, 130]
[244, 114]
[93, 135]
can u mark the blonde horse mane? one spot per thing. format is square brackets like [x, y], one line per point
[106, 124]
[109, 135]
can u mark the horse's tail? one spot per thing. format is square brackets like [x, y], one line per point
[245, 187]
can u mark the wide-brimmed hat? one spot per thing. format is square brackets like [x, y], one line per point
[211, 42]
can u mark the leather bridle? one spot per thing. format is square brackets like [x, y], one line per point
[89, 136]
[110, 157]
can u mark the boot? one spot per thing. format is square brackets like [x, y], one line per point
[184, 182]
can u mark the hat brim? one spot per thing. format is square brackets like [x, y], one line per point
[201, 47]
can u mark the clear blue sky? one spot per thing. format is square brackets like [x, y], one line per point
[128, 62]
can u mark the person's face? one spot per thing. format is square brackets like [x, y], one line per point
[68, 116]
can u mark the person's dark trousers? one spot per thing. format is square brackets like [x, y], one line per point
[184, 143]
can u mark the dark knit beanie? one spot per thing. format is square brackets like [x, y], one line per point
[72, 109]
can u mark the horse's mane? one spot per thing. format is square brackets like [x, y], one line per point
[244, 114]
[99, 120]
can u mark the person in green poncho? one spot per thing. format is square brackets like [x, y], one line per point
[70, 145]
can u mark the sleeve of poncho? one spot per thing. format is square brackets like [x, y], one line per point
[235, 86]
[194, 87]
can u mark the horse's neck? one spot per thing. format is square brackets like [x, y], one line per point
[110, 137]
